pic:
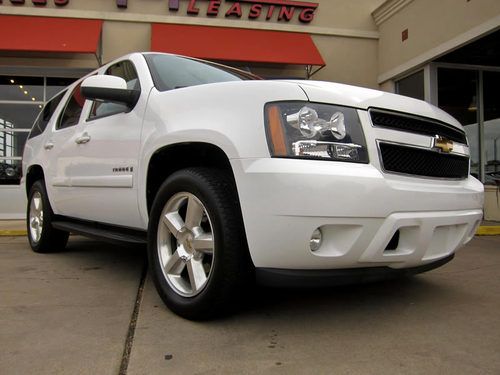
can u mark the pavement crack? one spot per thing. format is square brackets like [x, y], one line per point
[133, 322]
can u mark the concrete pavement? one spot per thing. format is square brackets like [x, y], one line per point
[65, 313]
[69, 313]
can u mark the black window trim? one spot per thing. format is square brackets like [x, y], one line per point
[59, 118]
[61, 94]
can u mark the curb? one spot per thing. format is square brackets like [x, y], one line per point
[488, 230]
[484, 230]
[13, 233]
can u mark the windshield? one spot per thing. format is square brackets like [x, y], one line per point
[172, 72]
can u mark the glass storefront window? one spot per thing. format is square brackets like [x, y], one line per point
[10, 172]
[412, 86]
[56, 85]
[12, 143]
[24, 89]
[19, 116]
[458, 95]
[491, 83]
[21, 100]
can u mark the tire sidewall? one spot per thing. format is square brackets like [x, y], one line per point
[215, 288]
[51, 240]
[38, 187]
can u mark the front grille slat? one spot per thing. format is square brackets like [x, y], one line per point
[418, 125]
[421, 162]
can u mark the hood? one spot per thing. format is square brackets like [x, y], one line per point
[362, 98]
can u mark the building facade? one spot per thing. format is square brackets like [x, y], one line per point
[445, 52]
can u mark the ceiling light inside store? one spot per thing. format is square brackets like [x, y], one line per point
[12, 81]
[25, 92]
[472, 106]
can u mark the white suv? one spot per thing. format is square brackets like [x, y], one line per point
[228, 178]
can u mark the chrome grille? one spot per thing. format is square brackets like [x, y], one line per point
[421, 162]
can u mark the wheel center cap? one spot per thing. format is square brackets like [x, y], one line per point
[186, 238]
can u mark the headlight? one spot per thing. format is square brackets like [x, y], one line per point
[315, 131]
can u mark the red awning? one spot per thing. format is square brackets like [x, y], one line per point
[232, 44]
[48, 34]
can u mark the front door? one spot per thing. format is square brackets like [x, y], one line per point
[108, 145]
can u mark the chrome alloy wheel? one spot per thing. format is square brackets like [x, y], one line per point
[185, 244]
[36, 216]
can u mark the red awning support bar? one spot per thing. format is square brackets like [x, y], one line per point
[310, 72]
[98, 52]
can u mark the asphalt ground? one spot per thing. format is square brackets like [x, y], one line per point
[93, 310]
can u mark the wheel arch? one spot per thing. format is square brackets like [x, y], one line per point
[34, 173]
[184, 155]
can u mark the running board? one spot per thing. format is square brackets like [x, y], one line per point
[104, 232]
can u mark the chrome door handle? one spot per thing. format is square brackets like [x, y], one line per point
[49, 145]
[84, 138]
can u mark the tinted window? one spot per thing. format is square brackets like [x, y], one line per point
[45, 116]
[125, 70]
[73, 110]
[457, 95]
[171, 72]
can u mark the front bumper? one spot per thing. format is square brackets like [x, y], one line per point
[358, 210]
[336, 277]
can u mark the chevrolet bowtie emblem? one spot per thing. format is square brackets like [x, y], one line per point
[443, 144]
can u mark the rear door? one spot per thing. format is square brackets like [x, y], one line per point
[60, 148]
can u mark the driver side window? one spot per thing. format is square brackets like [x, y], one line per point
[126, 70]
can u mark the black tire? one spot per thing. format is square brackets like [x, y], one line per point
[49, 240]
[228, 268]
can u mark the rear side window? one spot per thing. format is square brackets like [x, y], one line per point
[45, 116]
[73, 110]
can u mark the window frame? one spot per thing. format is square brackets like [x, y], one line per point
[433, 81]
[117, 112]
[68, 100]
[59, 97]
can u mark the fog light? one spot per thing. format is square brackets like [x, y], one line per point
[316, 239]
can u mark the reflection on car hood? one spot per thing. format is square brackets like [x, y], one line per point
[363, 98]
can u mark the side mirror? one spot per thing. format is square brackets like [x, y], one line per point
[109, 88]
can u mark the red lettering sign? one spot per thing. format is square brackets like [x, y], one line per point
[255, 11]
[306, 15]
[213, 8]
[39, 2]
[192, 7]
[235, 10]
[280, 10]
[270, 12]
[286, 13]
